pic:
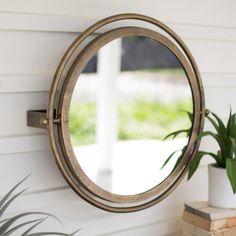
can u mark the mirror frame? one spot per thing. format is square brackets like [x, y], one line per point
[56, 117]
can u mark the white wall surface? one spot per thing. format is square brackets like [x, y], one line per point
[33, 36]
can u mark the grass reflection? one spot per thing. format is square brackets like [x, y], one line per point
[138, 119]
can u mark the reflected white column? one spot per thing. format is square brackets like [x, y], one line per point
[109, 65]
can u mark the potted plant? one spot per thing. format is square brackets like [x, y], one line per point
[222, 174]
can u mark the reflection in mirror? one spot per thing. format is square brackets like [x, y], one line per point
[130, 96]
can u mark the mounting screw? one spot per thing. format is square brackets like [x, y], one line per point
[44, 121]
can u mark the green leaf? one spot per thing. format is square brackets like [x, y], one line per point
[168, 159]
[2, 221]
[176, 133]
[4, 227]
[219, 139]
[214, 123]
[190, 115]
[231, 148]
[195, 163]
[6, 224]
[4, 199]
[217, 158]
[52, 233]
[10, 231]
[6, 205]
[207, 133]
[26, 233]
[222, 128]
[180, 157]
[49, 233]
[225, 136]
[230, 121]
[231, 126]
[33, 227]
[231, 172]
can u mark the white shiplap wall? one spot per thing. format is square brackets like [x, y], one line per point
[33, 37]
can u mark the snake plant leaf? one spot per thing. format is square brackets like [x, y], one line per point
[231, 126]
[210, 133]
[169, 158]
[195, 163]
[207, 133]
[233, 141]
[232, 148]
[4, 227]
[190, 115]
[230, 122]
[34, 226]
[12, 230]
[231, 172]
[219, 139]
[220, 162]
[2, 221]
[8, 226]
[225, 136]
[218, 157]
[180, 157]
[75, 232]
[26, 233]
[49, 233]
[4, 199]
[52, 233]
[222, 128]
[6, 205]
[214, 123]
[176, 133]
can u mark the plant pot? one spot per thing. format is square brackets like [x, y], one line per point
[220, 191]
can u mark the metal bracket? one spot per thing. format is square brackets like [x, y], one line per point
[37, 119]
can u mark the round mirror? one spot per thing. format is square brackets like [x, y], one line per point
[130, 96]
[124, 121]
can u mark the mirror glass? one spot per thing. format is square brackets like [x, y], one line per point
[131, 95]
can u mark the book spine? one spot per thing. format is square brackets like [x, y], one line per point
[197, 221]
[203, 210]
[227, 232]
[208, 224]
[189, 229]
[197, 212]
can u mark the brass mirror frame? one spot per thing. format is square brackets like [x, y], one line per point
[57, 114]
[65, 101]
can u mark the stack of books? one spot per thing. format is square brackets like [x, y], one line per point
[200, 219]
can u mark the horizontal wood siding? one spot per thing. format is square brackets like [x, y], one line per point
[33, 38]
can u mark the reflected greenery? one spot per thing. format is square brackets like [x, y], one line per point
[82, 123]
[139, 119]
[151, 120]
[177, 72]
